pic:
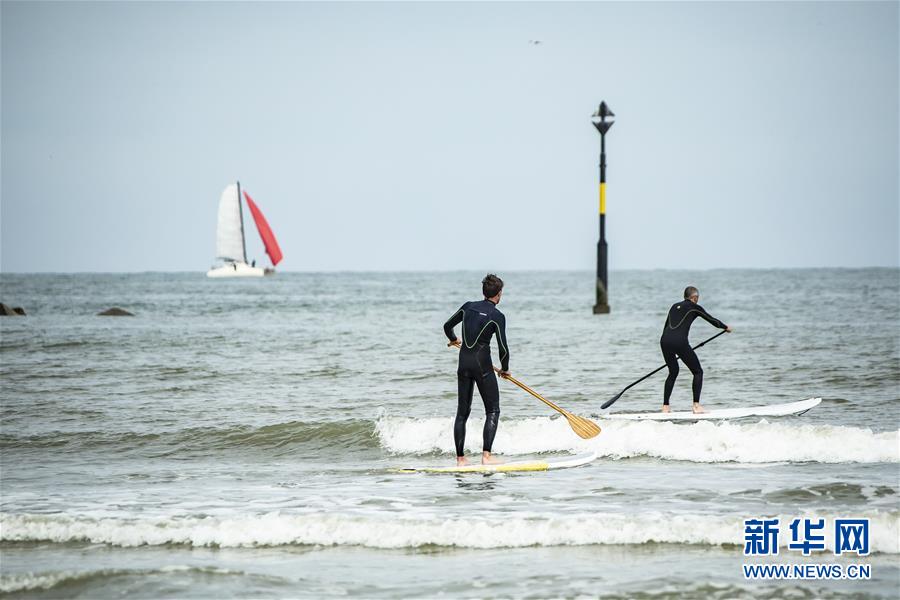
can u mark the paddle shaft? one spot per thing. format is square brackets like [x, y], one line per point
[609, 403]
[561, 411]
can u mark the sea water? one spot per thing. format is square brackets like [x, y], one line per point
[235, 438]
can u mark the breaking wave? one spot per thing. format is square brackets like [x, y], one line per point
[704, 442]
[328, 529]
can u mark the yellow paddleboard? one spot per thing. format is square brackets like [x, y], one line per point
[562, 462]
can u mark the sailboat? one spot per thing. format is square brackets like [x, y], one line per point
[231, 247]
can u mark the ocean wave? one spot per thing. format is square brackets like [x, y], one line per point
[330, 529]
[705, 442]
[22, 582]
[280, 436]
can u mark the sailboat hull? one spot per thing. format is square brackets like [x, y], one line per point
[238, 270]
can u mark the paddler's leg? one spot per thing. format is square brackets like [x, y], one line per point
[693, 363]
[463, 408]
[671, 358]
[490, 395]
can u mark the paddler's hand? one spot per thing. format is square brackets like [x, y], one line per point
[505, 374]
[456, 343]
[728, 329]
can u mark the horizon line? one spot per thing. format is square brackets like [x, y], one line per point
[412, 271]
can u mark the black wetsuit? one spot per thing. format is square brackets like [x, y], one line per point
[674, 344]
[480, 320]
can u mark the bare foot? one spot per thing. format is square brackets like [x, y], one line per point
[698, 409]
[666, 408]
[461, 461]
[487, 459]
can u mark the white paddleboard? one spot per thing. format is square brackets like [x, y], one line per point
[549, 464]
[773, 410]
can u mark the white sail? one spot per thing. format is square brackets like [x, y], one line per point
[230, 233]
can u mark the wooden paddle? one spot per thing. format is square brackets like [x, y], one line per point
[583, 428]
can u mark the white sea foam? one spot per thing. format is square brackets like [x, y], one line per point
[706, 442]
[330, 529]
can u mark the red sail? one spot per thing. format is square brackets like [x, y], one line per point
[265, 232]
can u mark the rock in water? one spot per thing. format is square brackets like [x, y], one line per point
[115, 311]
[9, 311]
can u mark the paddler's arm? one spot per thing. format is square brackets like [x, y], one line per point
[502, 345]
[711, 319]
[452, 322]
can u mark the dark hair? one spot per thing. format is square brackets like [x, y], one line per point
[491, 285]
[690, 291]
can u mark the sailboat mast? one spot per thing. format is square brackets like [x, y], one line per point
[241, 212]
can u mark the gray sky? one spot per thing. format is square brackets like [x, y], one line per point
[435, 136]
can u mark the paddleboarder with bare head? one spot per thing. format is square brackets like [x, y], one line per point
[480, 322]
[674, 344]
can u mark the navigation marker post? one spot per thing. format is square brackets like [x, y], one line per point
[602, 125]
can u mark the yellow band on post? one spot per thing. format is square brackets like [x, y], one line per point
[602, 198]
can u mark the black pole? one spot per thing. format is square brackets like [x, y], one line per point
[599, 120]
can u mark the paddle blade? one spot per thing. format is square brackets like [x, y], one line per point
[583, 428]
[612, 401]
